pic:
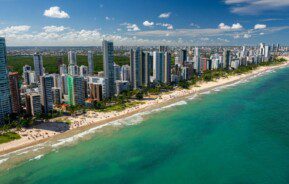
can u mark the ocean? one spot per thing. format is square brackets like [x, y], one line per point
[233, 134]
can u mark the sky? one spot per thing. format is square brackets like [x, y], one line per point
[144, 22]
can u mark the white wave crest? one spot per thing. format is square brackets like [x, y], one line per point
[175, 104]
[193, 97]
[217, 89]
[205, 93]
[37, 157]
[3, 160]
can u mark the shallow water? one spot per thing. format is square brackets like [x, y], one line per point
[238, 134]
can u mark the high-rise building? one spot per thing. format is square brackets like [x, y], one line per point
[121, 86]
[26, 68]
[204, 64]
[63, 84]
[227, 59]
[131, 59]
[83, 70]
[197, 61]
[85, 87]
[209, 64]
[178, 61]
[5, 96]
[95, 91]
[28, 104]
[32, 77]
[183, 56]
[262, 49]
[158, 61]
[125, 73]
[34, 100]
[73, 70]
[102, 81]
[243, 52]
[163, 48]
[15, 92]
[46, 84]
[57, 96]
[62, 69]
[72, 58]
[267, 52]
[116, 72]
[38, 66]
[108, 63]
[25, 73]
[75, 90]
[137, 65]
[90, 63]
[184, 73]
[167, 68]
[56, 80]
[148, 61]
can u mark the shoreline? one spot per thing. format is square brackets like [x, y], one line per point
[52, 130]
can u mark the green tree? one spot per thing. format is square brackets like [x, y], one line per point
[139, 95]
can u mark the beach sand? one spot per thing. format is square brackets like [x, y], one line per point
[56, 128]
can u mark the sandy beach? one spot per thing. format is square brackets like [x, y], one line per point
[55, 127]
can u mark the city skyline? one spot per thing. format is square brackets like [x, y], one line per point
[150, 23]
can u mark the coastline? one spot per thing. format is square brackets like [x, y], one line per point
[54, 131]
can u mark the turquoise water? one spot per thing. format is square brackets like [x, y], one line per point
[238, 135]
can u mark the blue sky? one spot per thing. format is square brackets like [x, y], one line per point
[144, 22]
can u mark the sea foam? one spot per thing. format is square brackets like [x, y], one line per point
[3, 160]
[37, 157]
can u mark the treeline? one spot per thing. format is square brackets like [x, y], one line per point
[16, 63]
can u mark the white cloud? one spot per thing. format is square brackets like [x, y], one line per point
[148, 24]
[109, 18]
[165, 15]
[168, 26]
[131, 27]
[224, 26]
[260, 26]
[256, 6]
[236, 26]
[273, 19]
[55, 12]
[51, 29]
[208, 32]
[51, 36]
[194, 25]
[247, 35]
[14, 29]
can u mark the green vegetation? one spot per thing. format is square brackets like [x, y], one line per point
[16, 63]
[66, 121]
[184, 84]
[8, 136]
[119, 107]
